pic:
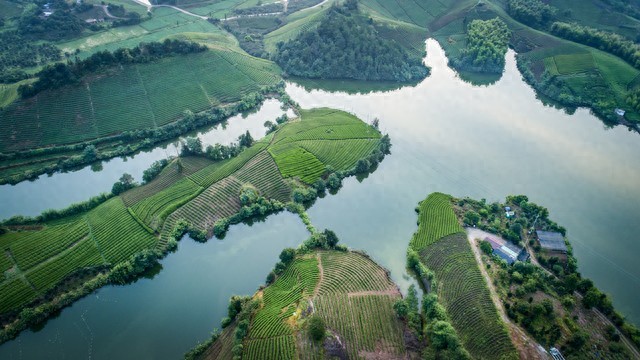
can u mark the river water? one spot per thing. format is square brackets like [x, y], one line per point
[448, 136]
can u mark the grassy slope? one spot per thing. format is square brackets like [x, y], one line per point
[93, 109]
[34, 261]
[354, 297]
[443, 248]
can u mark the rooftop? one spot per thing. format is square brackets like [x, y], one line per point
[551, 240]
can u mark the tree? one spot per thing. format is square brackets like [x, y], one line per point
[271, 277]
[332, 238]
[245, 140]
[125, 183]
[191, 146]
[287, 255]
[401, 309]
[471, 217]
[443, 335]
[90, 153]
[316, 328]
[486, 248]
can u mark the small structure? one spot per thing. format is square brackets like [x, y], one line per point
[551, 241]
[555, 353]
[620, 112]
[508, 212]
[47, 13]
[506, 250]
[91, 21]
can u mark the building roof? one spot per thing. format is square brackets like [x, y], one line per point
[507, 251]
[551, 240]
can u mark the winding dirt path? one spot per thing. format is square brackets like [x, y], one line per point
[527, 347]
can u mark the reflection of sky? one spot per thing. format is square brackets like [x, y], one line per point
[488, 142]
[62, 189]
[484, 142]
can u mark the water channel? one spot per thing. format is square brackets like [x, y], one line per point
[448, 136]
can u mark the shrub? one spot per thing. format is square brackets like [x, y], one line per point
[316, 328]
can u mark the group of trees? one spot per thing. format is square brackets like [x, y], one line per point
[18, 52]
[487, 44]
[345, 45]
[605, 41]
[531, 12]
[61, 24]
[71, 72]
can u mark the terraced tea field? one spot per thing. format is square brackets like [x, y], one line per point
[200, 191]
[351, 293]
[443, 248]
[133, 97]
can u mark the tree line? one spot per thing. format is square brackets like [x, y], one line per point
[603, 40]
[531, 12]
[345, 45]
[71, 72]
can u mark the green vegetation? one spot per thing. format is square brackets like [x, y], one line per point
[92, 109]
[550, 302]
[345, 45]
[324, 302]
[443, 248]
[486, 46]
[114, 238]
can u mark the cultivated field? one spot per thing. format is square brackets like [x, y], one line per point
[350, 292]
[35, 260]
[443, 248]
[133, 97]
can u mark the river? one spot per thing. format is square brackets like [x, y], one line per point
[448, 136]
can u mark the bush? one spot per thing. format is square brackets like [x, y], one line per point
[316, 328]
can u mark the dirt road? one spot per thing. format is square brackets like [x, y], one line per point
[527, 347]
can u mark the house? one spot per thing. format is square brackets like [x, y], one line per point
[47, 13]
[620, 112]
[551, 241]
[507, 251]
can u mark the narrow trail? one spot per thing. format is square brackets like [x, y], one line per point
[149, 7]
[105, 8]
[321, 277]
[527, 347]
[390, 292]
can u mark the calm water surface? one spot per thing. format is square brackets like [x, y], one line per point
[447, 135]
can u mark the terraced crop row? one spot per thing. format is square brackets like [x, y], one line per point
[154, 209]
[436, 220]
[220, 170]
[340, 154]
[116, 232]
[262, 172]
[464, 293]
[217, 201]
[5, 261]
[295, 161]
[15, 293]
[281, 347]
[94, 108]
[337, 132]
[30, 248]
[351, 272]
[166, 178]
[378, 328]
[311, 119]
[48, 274]
[281, 297]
